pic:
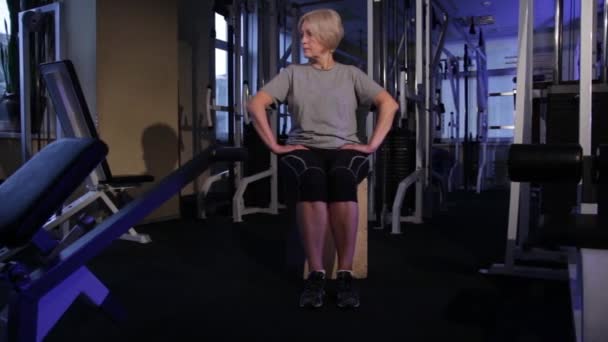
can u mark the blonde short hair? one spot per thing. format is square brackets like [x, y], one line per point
[325, 25]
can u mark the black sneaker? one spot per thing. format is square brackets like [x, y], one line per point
[347, 296]
[314, 291]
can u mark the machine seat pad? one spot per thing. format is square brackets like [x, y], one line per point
[39, 187]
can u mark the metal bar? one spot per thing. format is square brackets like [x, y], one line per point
[369, 123]
[237, 105]
[586, 73]
[394, 64]
[419, 83]
[395, 55]
[295, 35]
[605, 45]
[588, 203]
[320, 2]
[523, 109]
[465, 150]
[448, 53]
[384, 59]
[98, 239]
[25, 72]
[25, 84]
[273, 56]
[506, 93]
[231, 76]
[440, 48]
[430, 94]
[559, 30]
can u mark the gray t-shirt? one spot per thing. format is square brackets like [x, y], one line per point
[323, 103]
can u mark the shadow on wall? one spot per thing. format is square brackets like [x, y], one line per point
[160, 154]
[159, 143]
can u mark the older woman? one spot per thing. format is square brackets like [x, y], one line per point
[323, 160]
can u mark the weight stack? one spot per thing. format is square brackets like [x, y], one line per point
[562, 127]
[398, 156]
[258, 193]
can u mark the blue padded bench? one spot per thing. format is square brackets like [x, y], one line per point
[40, 297]
[29, 197]
[39, 188]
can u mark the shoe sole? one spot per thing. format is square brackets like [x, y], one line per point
[348, 305]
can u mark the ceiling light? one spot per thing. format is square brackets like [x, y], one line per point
[486, 3]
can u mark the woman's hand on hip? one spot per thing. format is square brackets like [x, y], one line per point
[367, 149]
[283, 149]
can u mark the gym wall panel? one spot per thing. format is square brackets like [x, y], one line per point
[137, 97]
[81, 45]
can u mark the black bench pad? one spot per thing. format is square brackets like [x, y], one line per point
[582, 231]
[36, 190]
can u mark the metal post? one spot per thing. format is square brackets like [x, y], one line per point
[520, 191]
[369, 123]
[295, 35]
[419, 110]
[237, 105]
[273, 60]
[384, 47]
[586, 86]
[605, 45]
[558, 40]
[466, 147]
[429, 94]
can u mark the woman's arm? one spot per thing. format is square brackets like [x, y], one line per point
[387, 107]
[257, 108]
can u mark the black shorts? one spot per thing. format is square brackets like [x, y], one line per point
[323, 175]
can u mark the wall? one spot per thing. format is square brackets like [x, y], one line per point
[136, 89]
[81, 45]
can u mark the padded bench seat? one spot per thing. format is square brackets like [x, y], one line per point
[39, 188]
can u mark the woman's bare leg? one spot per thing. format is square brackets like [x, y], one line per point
[312, 222]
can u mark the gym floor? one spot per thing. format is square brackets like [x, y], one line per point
[217, 281]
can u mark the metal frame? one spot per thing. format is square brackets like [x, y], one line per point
[454, 77]
[558, 40]
[369, 120]
[482, 119]
[48, 291]
[74, 120]
[25, 73]
[270, 67]
[519, 200]
[427, 60]
[605, 45]
[587, 268]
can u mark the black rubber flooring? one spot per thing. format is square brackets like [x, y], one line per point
[217, 281]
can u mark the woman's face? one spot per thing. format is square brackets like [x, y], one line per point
[311, 46]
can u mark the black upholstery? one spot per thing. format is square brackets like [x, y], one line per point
[39, 188]
[575, 230]
[545, 163]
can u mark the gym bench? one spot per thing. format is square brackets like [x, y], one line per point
[40, 295]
